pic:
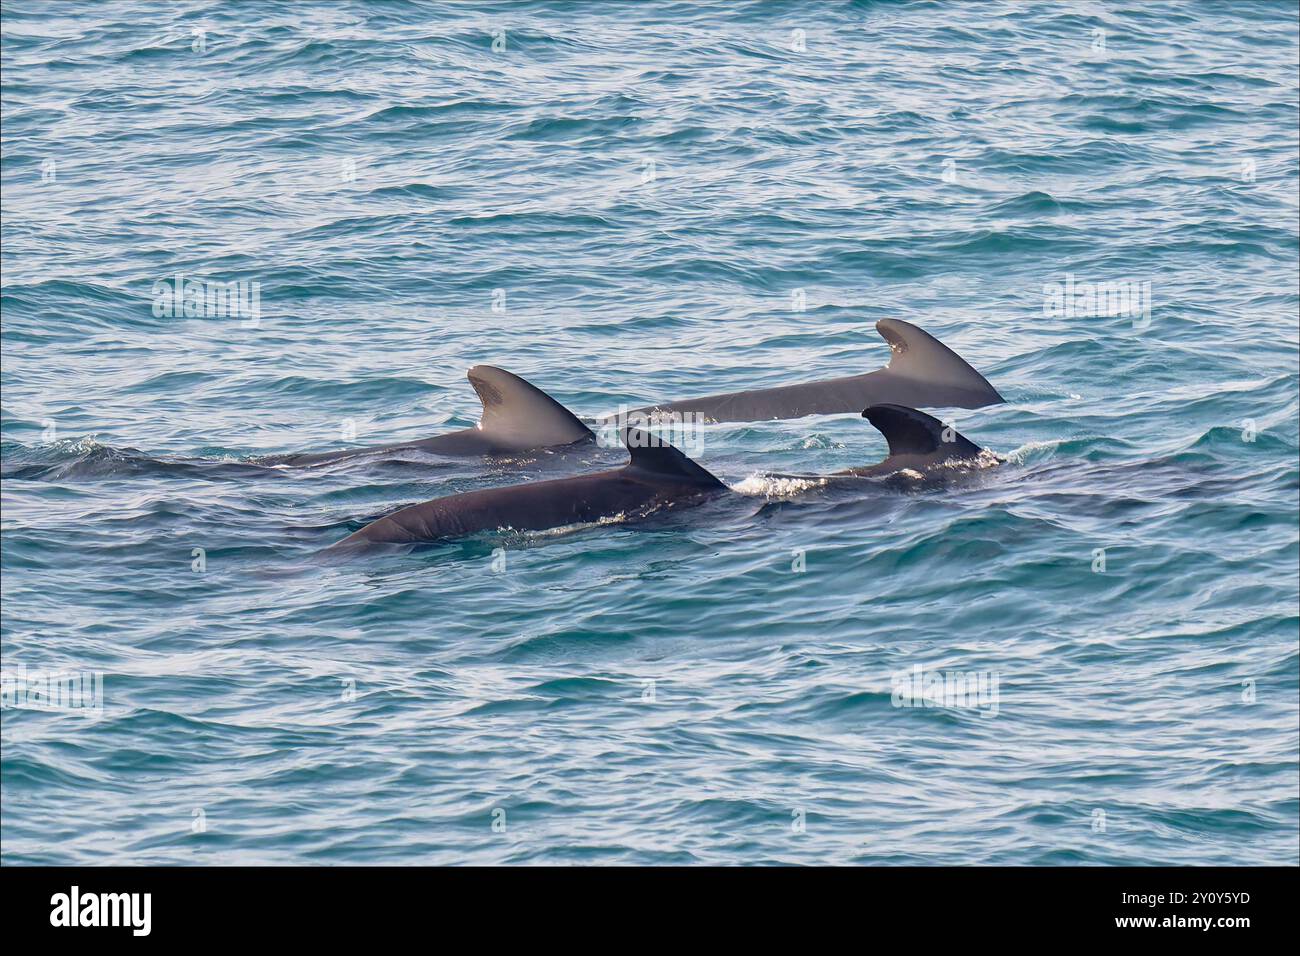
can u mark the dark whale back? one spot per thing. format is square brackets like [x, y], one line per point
[656, 475]
[922, 371]
[517, 417]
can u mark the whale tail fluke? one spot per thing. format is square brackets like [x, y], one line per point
[520, 415]
[910, 432]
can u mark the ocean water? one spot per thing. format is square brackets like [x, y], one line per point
[623, 204]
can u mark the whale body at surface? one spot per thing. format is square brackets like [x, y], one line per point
[517, 417]
[922, 372]
[658, 475]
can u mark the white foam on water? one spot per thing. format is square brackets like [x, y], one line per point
[774, 486]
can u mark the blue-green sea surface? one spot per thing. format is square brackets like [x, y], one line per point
[625, 203]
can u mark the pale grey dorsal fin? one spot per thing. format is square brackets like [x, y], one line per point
[520, 415]
[920, 357]
[922, 372]
[910, 432]
[653, 456]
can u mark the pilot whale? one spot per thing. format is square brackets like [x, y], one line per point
[918, 443]
[517, 417]
[922, 371]
[657, 476]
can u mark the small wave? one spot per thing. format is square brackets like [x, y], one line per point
[78, 459]
[1030, 204]
[1034, 451]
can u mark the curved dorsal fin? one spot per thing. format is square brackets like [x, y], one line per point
[918, 355]
[910, 432]
[520, 415]
[653, 456]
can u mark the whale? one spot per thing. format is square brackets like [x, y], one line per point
[924, 452]
[517, 417]
[918, 443]
[657, 476]
[922, 373]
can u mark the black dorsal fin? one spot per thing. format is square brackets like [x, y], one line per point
[651, 455]
[910, 432]
[520, 415]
